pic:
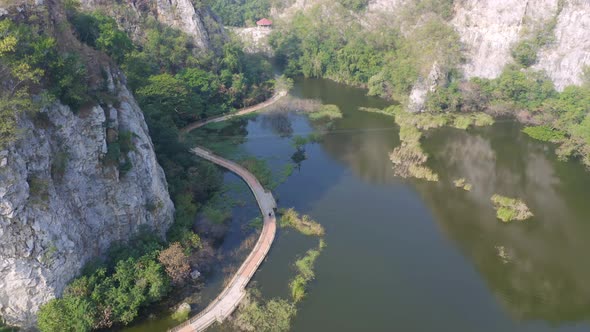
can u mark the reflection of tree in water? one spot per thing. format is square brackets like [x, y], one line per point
[278, 122]
[298, 157]
[222, 137]
[541, 271]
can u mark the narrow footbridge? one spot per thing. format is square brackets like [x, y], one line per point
[234, 292]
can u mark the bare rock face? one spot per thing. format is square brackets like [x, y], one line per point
[565, 59]
[422, 88]
[183, 15]
[191, 17]
[60, 205]
[489, 28]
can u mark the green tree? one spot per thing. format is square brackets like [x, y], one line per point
[70, 314]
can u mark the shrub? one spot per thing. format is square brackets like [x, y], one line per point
[462, 122]
[272, 316]
[176, 263]
[354, 5]
[110, 292]
[410, 134]
[70, 314]
[482, 120]
[545, 133]
[525, 53]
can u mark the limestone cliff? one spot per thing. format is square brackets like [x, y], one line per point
[191, 17]
[488, 30]
[60, 205]
[62, 202]
[565, 59]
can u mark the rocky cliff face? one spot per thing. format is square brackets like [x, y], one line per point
[191, 17]
[489, 29]
[60, 205]
[565, 59]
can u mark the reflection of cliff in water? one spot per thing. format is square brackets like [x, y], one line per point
[362, 141]
[538, 269]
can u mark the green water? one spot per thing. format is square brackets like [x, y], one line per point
[406, 255]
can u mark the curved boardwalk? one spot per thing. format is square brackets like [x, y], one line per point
[229, 299]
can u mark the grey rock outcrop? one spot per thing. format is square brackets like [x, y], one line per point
[489, 28]
[191, 17]
[565, 59]
[60, 205]
[422, 88]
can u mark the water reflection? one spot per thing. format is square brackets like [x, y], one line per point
[278, 123]
[537, 269]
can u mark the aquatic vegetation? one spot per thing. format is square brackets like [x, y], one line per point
[260, 169]
[422, 121]
[255, 223]
[410, 134]
[462, 122]
[326, 112]
[304, 224]
[509, 209]
[272, 316]
[391, 110]
[299, 141]
[182, 313]
[408, 160]
[462, 183]
[305, 264]
[422, 172]
[482, 120]
[305, 274]
[298, 288]
[545, 133]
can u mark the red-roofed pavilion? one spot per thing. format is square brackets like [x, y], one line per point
[265, 22]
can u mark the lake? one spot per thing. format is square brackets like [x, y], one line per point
[409, 255]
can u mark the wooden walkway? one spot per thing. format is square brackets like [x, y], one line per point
[229, 299]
